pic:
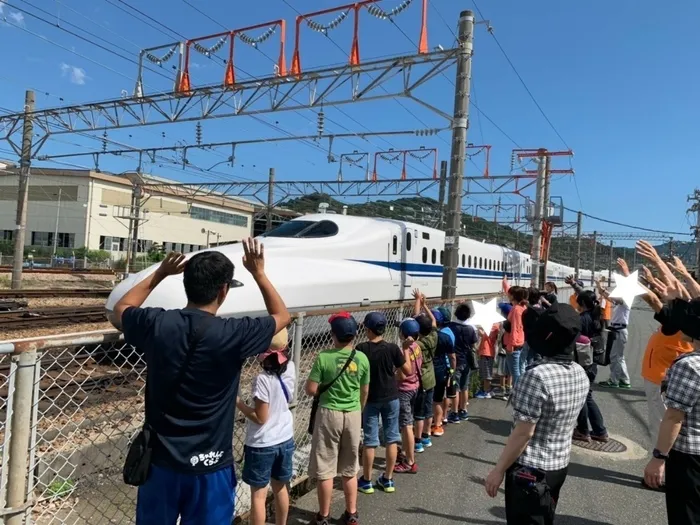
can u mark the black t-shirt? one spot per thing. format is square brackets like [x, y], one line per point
[465, 339]
[196, 434]
[384, 358]
[530, 316]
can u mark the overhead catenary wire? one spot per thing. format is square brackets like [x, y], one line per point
[630, 226]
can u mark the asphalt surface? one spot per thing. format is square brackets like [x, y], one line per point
[601, 489]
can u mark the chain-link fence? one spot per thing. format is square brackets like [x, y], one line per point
[68, 408]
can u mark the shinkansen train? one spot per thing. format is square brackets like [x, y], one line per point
[325, 260]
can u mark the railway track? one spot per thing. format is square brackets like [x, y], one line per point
[81, 271]
[49, 317]
[54, 292]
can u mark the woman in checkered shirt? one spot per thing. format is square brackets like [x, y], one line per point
[546, 403]
[677, 449]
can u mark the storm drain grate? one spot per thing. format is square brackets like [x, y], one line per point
[611, 447]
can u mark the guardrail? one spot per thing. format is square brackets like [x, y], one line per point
[70, 404]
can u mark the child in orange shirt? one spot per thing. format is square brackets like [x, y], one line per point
[514, 338]
[487, 353]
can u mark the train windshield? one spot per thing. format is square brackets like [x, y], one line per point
[304, 229]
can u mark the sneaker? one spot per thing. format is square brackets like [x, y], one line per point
[438, 431]
[580, 436]
[608, 384]
[484, 395]
[419, 447]
[464, 415]
[445, 420]
[426, 441]
[453, 418]
[386, 484]
[350, 519]
[322, 520]
[624, 385]
[365, 486]
[405, 468]
[604, 438]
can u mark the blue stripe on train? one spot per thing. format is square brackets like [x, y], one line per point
[434, 270]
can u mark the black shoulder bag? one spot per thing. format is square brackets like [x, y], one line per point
[324, 388]
[138, 459]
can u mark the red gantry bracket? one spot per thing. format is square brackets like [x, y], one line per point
[229, 77]
[392, 155]
[343, 12]
[479, 149]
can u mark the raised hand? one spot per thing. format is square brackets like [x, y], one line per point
[647, 251]
[173, 264]
[622, 264]
[254, 257]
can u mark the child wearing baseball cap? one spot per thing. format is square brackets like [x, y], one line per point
[269, 444]
[409, 385]
[340, 379]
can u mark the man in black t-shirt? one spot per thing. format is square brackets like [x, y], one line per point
[191, 401]
[384, 360]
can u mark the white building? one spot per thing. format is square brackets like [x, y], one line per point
[91, 210]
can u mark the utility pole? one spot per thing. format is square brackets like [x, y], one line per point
[134, 219]
[670, 246]
[23, 190]
[55, 234]
[595, 250]
[460, 123]
[441, 194]
[695, 208]
[538, 216]
[610, 267]
[270, 199]
[579, 224]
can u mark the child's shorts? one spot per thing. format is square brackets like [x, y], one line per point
[335, 444]
[486, 368]
[406, 402]
[261, 464]
[423, 406]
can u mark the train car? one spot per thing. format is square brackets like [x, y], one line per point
[326, 260]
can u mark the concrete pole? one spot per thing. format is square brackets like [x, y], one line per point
[538, 217]
[19, 439]
[458, 154]
[58, 216]
[611, 262]
[579, 224]
[270, 199]
[296, 350]
[595, 251]
[441, 194]
[23, 190]
[134, 217]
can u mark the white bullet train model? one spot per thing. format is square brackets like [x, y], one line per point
[326, 260]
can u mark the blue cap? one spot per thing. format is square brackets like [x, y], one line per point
[446, 314]
[437, 314]
[409, 328]
[505, 308]
[343, 326]
[375, 321]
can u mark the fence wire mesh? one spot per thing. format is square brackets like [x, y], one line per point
[89, 403]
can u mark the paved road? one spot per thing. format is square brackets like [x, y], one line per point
[602, 489]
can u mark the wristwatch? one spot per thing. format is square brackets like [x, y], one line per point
[658, 455]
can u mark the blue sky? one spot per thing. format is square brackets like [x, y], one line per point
[617, 79]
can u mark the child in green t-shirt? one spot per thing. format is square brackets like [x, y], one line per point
[335, 444]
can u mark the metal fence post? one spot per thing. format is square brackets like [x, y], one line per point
[19, 440]
[296, 352]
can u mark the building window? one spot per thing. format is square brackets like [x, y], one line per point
[7, 235]
[425, 254]
[433, 256]
[64, 240]
[408, 242]
[222, 217]
[395, 245]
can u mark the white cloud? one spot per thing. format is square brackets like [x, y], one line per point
[75, 74]
[2, 5]
[17, 18]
